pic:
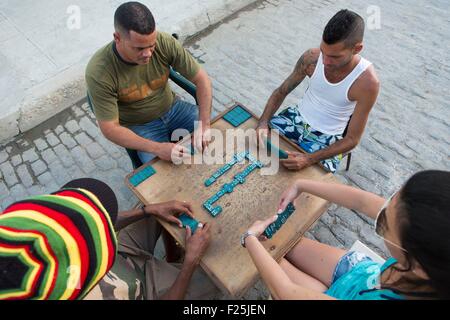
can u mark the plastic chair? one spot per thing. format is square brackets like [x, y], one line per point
[348, 154]
[361, 247]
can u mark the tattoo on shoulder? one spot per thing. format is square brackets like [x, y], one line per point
[305, 64]
[307, 61]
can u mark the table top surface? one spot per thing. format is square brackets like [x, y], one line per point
[226, 262]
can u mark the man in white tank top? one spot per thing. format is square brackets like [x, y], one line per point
[343, 89]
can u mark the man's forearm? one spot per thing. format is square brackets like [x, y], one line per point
[126, 138]
[178, 289]
[125, 218]
[204, 101]
[339, 147]
[274, 103]
[204, 98]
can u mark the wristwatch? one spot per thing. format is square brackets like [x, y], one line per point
[245, 235]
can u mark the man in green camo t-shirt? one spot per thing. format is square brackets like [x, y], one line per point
[127, 82]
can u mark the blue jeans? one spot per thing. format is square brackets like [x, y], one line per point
[181, 115]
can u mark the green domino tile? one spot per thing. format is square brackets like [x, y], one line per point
[229, 187]
[281, 154]
[140, 176]
[237, 116]
[282, 218]
[188, 221]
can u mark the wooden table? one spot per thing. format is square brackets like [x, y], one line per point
[226, 262]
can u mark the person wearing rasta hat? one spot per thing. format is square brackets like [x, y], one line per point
[56, 246]
[63, 246]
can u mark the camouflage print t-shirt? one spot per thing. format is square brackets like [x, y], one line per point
[122, 282]
[128, 281]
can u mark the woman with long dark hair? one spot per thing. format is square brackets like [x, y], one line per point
[414, 223]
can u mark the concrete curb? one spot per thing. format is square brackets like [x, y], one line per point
[54, 95]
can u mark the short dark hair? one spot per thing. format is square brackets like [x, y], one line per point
[134, 16]
[346, 26]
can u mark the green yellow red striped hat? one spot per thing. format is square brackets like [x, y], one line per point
[57, 246]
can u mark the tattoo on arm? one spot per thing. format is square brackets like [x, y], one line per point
[303, 67]
[307, 61]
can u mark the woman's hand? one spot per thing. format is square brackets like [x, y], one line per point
[288, 196]
[259, 226]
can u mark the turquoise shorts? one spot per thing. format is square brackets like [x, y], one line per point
[357, 277]
[347, 263]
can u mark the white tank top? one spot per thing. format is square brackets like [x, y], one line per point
[325, 106]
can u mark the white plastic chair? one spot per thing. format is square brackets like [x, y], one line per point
[361, 247]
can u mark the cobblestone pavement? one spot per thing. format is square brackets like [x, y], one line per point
[247, 57]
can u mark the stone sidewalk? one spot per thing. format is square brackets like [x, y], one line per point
[247, 57]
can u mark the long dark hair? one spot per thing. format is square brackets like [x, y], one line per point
[424, 219]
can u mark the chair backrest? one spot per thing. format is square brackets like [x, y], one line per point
[361, 247]
[346, 128]
[181, 81]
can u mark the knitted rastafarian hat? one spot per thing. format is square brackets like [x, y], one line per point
[58, 246]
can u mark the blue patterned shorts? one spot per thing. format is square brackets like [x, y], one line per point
[293, 126]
